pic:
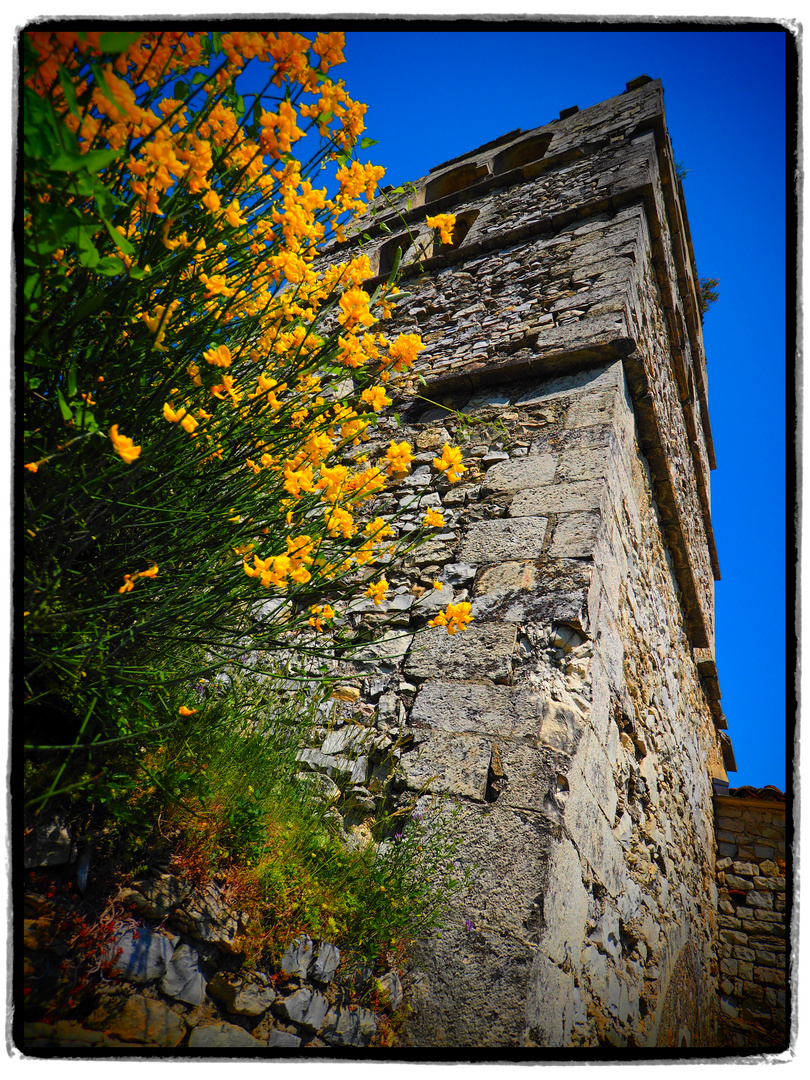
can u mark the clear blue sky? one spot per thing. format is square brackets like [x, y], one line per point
[436, 94]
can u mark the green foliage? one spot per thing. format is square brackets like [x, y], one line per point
[708, 294]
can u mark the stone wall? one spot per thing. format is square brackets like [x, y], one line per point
[576, 723]
[753, 918]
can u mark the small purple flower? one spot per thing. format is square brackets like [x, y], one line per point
[469, 924]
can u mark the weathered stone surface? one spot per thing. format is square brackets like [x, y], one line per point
[141, 1020]
[484, 650]
[505, 539]
[349, 1027]
[575, 535]
[305, 1007]
[140, 956]
[156, 897]
[206, 918]
[184, 979]
[244, 996]
[505, 575]
[510, 476]
[283, 1039]
[326, 963]
[466, 707]
[447, 763]
[298, 957]
[575, 496]
[214, 1036]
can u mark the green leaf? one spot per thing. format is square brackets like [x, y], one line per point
[109, 266]
[365, 143]
[199, 76]
[117, 43]
[72, 381]
[216, 40]
[69, 91]
[120, 241]
[93, 161]
[87, 306]
[64, 408]
[103, 85]
[181, 90]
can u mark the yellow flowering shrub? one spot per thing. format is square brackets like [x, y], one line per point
[172, 291]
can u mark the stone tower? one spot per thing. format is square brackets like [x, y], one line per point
[576, 723]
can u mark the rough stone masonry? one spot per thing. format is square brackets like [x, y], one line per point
[577, 721]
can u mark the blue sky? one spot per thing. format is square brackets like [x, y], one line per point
[438, 93]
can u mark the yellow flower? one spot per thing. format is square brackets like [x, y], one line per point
[399, 457]
[455, 617]
[174, 416]
[130, 579]
[375, 396]
[444, 223]
[450, 462]
[123, 446]
[320, 612]
[184, 711]
[211, 201]
[404, 351]
[354, 303]
[433, 518]
[438, 585]
[219, 356]
[377, 591]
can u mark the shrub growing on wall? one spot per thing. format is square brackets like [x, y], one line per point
[196, 392]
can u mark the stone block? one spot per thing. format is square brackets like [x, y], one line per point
[449, 764]
[483, 649]
[508, 477]
[565, 905]
[556, 723]
[760, 900]
[478, 708]
[572, 497]
[505, 575]
[143, 1020]
[582, 464]
[140, 956]
[574, 535]
[210, 1036]
[305, 1007]
[184, 979]
[592, 408]
[504, 539]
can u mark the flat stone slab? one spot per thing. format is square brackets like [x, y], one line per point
[556, 499]
[575, 535]
[527, 472]
[481, 650]
[518, 537]
[449, 763]
[474, 708]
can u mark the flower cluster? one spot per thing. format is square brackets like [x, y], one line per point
[455, 617]
[444, 223]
